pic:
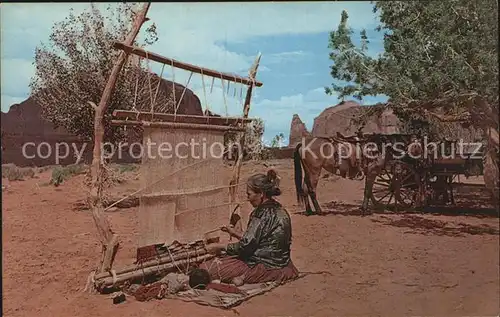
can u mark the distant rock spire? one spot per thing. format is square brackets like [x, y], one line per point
[298, 130]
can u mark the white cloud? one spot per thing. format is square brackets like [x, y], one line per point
[285, 57]
[307, 106]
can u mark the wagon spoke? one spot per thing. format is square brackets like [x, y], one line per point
[390, 198]
[385, 196]
[408, 184]
[389, 175]
[382, 176]
[382, 179]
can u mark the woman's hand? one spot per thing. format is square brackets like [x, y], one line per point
[215, 248]
[231, 230]
[228, 229]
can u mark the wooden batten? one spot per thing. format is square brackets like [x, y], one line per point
[168, 117]
[177, 125]
[193, 68]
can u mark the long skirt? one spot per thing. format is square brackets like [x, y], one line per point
[227, 268]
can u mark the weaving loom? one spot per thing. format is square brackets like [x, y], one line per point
[186, 197]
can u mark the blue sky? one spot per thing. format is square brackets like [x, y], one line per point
[292, 37]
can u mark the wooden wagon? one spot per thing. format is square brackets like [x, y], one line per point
[409, 181]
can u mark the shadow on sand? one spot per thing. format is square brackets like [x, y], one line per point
[421, 225]
[337, 208]
[470, 200]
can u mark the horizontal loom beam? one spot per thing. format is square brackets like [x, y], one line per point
[177, 125]
[180, 118]
[190, 67]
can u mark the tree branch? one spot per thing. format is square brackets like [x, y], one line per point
[462, 117]
[92, 104]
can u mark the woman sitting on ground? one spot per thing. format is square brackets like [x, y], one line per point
[262, 253]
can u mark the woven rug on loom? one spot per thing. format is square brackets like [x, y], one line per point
[226, 300]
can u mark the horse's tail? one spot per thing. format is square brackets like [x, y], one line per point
[297, 162]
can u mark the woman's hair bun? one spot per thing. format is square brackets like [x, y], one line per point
[273, 178]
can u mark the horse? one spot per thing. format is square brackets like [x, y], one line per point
[341, 156]
[312, 155]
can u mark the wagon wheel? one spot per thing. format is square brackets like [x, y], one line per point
[396, 187]
[409, 184]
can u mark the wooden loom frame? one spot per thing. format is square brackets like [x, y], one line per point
[109, 239]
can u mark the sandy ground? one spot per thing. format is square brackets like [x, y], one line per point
[441, 264]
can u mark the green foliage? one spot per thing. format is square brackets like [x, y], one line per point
[73, 68]
[254, 145]
[277, 141]
[62, 173]
[440, 49]
[352, 66]
[253, 139]
[434, 50]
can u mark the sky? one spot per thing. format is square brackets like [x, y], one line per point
[292, 38]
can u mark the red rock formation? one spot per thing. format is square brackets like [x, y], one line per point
[23, 123]
[298, 130]
[338, 119]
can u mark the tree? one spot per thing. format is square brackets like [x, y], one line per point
[440, 62]
[277, 141]
[72, 69]
[353, 69]
[253, 145]
[352, 66]
[440, 51]
[436, 54]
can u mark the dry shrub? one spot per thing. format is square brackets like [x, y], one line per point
[43, 169]
[14, 173]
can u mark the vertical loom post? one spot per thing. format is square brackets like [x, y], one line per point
[108, 237]
[246, 109]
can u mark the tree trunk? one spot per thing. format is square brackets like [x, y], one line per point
[485, 116]
[108, 238]
[491, 174]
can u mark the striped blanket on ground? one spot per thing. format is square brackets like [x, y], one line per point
[225, 299]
